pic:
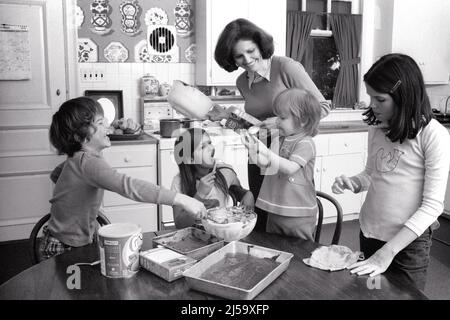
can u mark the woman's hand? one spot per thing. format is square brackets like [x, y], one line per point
[218, 113]
[269, 123]
[206, 184]
[343, 182]
[191, 205]
[376, 264]
[248, 201]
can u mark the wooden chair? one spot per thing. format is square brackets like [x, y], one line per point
[337, 231]
[34, 239]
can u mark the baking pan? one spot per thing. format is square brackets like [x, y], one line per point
[238, 271]
[192, 242]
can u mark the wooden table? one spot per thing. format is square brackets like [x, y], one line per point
[48, 279]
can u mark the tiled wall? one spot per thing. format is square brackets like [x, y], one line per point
[127, 77]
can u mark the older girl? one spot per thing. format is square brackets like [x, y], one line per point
[406, 172]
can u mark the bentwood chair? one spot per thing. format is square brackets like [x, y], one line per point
[35, 239]
[321, 196]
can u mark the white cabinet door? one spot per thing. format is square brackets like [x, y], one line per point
[270, 16]
[168, 169]
[222, 13]
[335, 165]
[421, 29]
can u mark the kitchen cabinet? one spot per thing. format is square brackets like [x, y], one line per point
[212, 16]
[337, 154]
[418, 28]
[137, 161]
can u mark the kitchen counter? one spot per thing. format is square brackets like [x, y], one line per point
[142, 139]
[326, 127]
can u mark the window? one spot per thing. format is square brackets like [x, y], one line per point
[321, 58]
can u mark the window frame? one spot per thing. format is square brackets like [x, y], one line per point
[355, 9]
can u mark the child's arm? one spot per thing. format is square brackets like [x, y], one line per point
[100, 174]
[359, 182]
[264, 157]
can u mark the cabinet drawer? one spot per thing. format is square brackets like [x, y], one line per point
[131, 156]
[343, 143]
[144, 173]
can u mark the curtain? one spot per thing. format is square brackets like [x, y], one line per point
[299, 25]
[346, 30]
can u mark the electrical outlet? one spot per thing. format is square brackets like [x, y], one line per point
[92, 75]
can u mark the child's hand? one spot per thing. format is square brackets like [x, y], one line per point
[248, 201]
[376, 264]
[206, 184]
[191, 205]
[343, 182]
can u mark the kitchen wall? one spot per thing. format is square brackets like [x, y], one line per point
[126, 75]
[438, 95]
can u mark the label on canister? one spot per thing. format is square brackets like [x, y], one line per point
[119, 245]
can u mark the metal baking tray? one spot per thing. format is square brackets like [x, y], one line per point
[192, 242]
[238, 271]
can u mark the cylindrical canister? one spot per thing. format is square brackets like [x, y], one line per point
[119, 245]
[150, 85]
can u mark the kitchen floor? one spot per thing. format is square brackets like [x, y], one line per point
[15, 257]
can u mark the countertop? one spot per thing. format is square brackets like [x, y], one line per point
[142, 139]
[326, 127]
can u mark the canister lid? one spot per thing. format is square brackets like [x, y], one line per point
[119, 230]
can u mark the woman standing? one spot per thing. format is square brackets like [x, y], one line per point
[243, 44]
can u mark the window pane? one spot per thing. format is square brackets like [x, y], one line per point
[321, 61]
[318, 6]
[341, 7]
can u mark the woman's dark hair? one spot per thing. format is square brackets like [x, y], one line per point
[185, 145]
[72, 123]
[399, 76]
[236, 30]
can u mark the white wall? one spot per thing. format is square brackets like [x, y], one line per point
[127, 77]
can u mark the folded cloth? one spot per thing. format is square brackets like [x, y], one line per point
[333, 257]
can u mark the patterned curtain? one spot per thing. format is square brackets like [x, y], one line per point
[347, 35]
[299, 25]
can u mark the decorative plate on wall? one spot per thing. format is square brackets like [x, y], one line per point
[87, 50]
[191, 53]
[141, 52]
[183, 16]
[155, 16]
[129, 10]
[116, 52]
[79, 16]
[100, 20]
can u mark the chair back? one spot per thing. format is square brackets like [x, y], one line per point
[34, 239]
[339, 216]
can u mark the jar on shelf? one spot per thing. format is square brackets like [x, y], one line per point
[150, 85]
